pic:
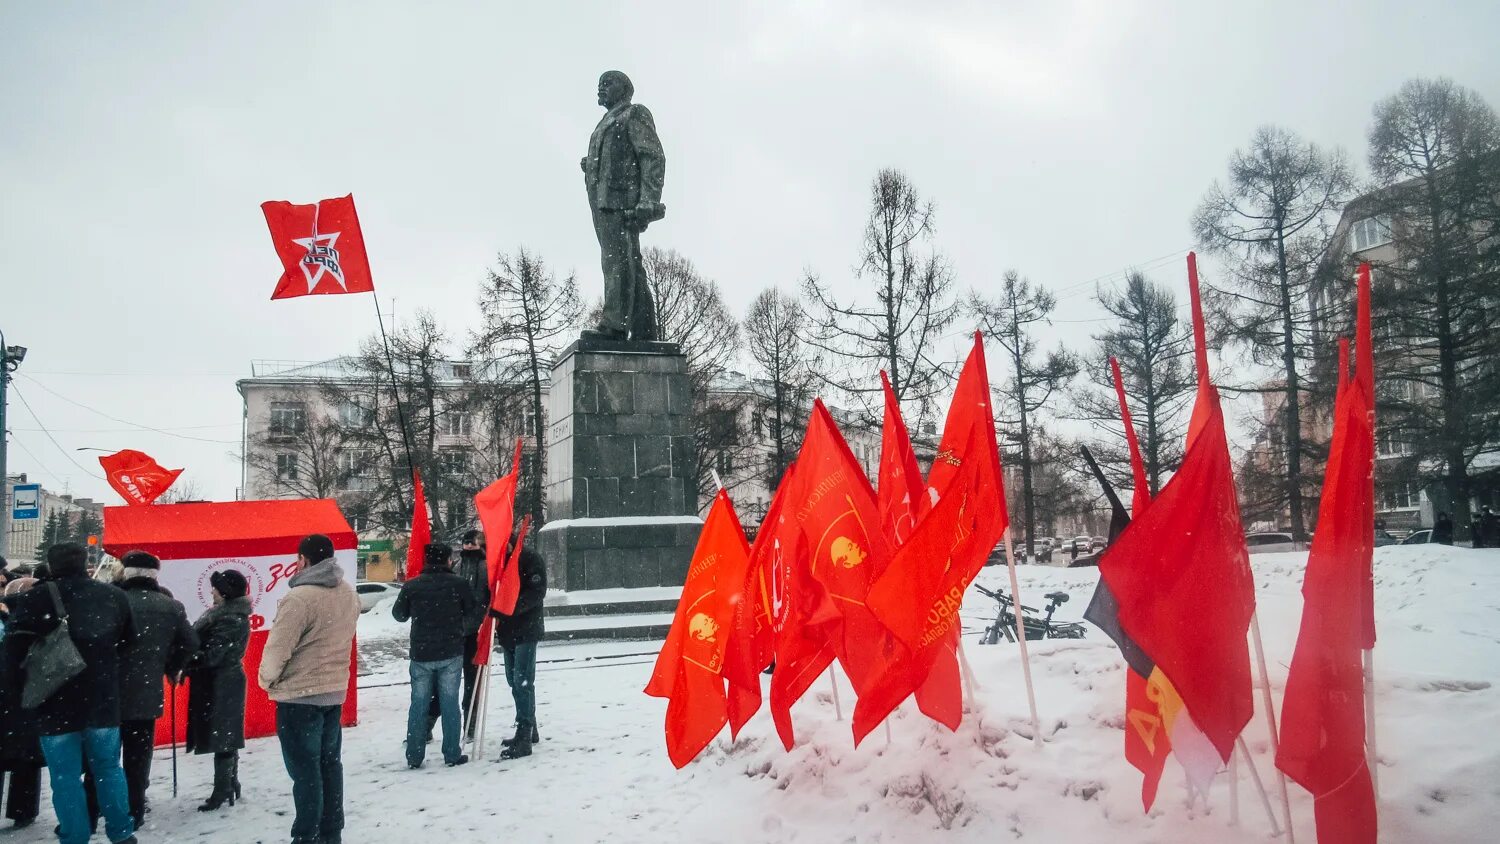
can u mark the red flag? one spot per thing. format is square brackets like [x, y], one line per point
[970, 411]
[940, 696]
[689, 667]
[496, 508]
[508, 590]
[321, 248]
[136, 477]
[1181, 573]
[750, 647]
[421, 529]
[1364, 373]
[1322, 713]
[1141, 495]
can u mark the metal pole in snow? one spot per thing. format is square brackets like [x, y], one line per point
[1234, 787]
[1372, 756]
[1265, 690]
[1015, 591]
[833, 680]
[1260, 788]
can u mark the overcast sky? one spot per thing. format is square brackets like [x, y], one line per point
[1070, 141]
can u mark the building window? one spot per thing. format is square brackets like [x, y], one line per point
[724, 463]
[1370, 233]
[356, 467]
[457, 423]
[453, 461]
[286, 467]
[1399, 496]
[352, 415]
[288, 417]
[1389, 444]
[462, 370]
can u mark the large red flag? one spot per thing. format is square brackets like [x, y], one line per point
[136, 477]
[508, 589]
[940, 696]
[321, 248]
[1140, 496]
[421, 529]
[1181, 573]
[751, 647]
[496, 508]
[1364, 373]
[689, 667]
[1322, 713]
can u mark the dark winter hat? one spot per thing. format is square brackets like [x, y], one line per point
[229, 583]
[437, 554]
[68, 559]
[472, 536]
[140, 560]
[316, 548]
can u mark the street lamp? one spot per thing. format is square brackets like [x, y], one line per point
[11, 357]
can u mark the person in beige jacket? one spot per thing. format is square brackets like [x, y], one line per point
[305, 669]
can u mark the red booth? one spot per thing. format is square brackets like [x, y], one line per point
[260, 539]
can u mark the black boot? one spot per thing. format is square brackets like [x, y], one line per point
[520, 745]
[223, 782]
[535, 737]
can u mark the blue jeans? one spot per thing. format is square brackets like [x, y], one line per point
[444, 675]
[65, 754]
[520, 674]
[311, 746]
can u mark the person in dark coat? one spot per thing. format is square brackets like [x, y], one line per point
[1442, 529]
[439, 604]
[82, 719]
[517, 635]
[164, 643]
[474, 570]
[21, 760]
[1489, 527]
[216, 684]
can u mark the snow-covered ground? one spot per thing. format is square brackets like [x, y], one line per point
[601, 773]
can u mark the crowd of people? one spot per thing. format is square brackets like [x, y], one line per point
[94, 732]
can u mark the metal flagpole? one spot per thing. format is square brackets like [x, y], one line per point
[1372, 756]
[1015, 591]
[833, 680]
[1265, 689]
[390, 363]
[1265, 799]
[174, 738]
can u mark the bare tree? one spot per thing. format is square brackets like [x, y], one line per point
[1271, 221]
[913, 305]
[1012, 319]
[1154, 350]
[692, 314]
[1434, 149]
[528, 315]
[299, 455]
[774, 333]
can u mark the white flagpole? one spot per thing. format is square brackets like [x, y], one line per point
[1265, 691]
[833, 680]
[481, 703]
[1260, 788]
[1015, 591]
[971, 685]
[1234, 787]
[1372, 756]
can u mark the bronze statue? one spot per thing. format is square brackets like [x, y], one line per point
[623, 172]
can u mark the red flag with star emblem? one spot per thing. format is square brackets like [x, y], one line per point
[751, 647]
[136, 477]
[321, 248]
[689, 669]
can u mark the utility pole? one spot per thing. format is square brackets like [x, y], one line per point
[12, 357]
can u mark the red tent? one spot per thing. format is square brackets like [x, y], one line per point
[259, 538]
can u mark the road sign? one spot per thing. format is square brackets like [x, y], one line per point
[26, 502]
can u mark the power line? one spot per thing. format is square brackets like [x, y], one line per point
[56, 477]
[38, 420]
[164, 431]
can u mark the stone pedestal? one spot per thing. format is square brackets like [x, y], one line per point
[619, 467]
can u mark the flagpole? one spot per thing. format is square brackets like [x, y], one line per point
[1260, 788]
[969, 679]
[1234, 787]
[1372, 756]
[390, 364]
[833, 680]
[1015, 591]
[1265, 690]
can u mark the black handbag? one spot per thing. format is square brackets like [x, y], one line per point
[53, 659]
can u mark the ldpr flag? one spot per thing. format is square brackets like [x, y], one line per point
[689, 668]
[136, 476]
[1323, 710]
[751, 647]
[940, 695]
[496, 507]
[507, 590]
[421, 529]
[1180, 574]
[321, 248]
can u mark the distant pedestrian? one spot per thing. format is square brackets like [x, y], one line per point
[1442, 529]
[164, 643]
[82, 719]
[216, 684]
[1489, 528]
[439, 604]
[517, 635]
[305, 669]
[21, 759]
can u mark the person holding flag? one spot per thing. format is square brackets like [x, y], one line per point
[517, 633]
[473, 569]
[438, 603]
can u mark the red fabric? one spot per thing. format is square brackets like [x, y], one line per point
[940, 696]
[750, 646]
[496, 508]
[320, 246]
[1181, 574]
[1364, 374]
[1147, 744]
[421, 529]
[1141, 494]
[136, 477]
[1323, 711]
[688, 671]
[508, 590]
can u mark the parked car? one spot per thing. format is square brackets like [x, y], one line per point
[1081, 543]
[1270, 543]
[1418, 537]
[1098, 543]
[372, 592]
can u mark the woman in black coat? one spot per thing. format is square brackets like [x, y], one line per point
[21, 759]
[216, 684]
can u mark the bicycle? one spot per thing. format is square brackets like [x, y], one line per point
[1036, 628]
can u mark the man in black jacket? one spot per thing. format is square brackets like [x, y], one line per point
[438, 603]
[474, 570]
[164, 643]
[83, 717]
[518, 634]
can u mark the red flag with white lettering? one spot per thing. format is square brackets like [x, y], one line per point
[321, 248]
[136, 476]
